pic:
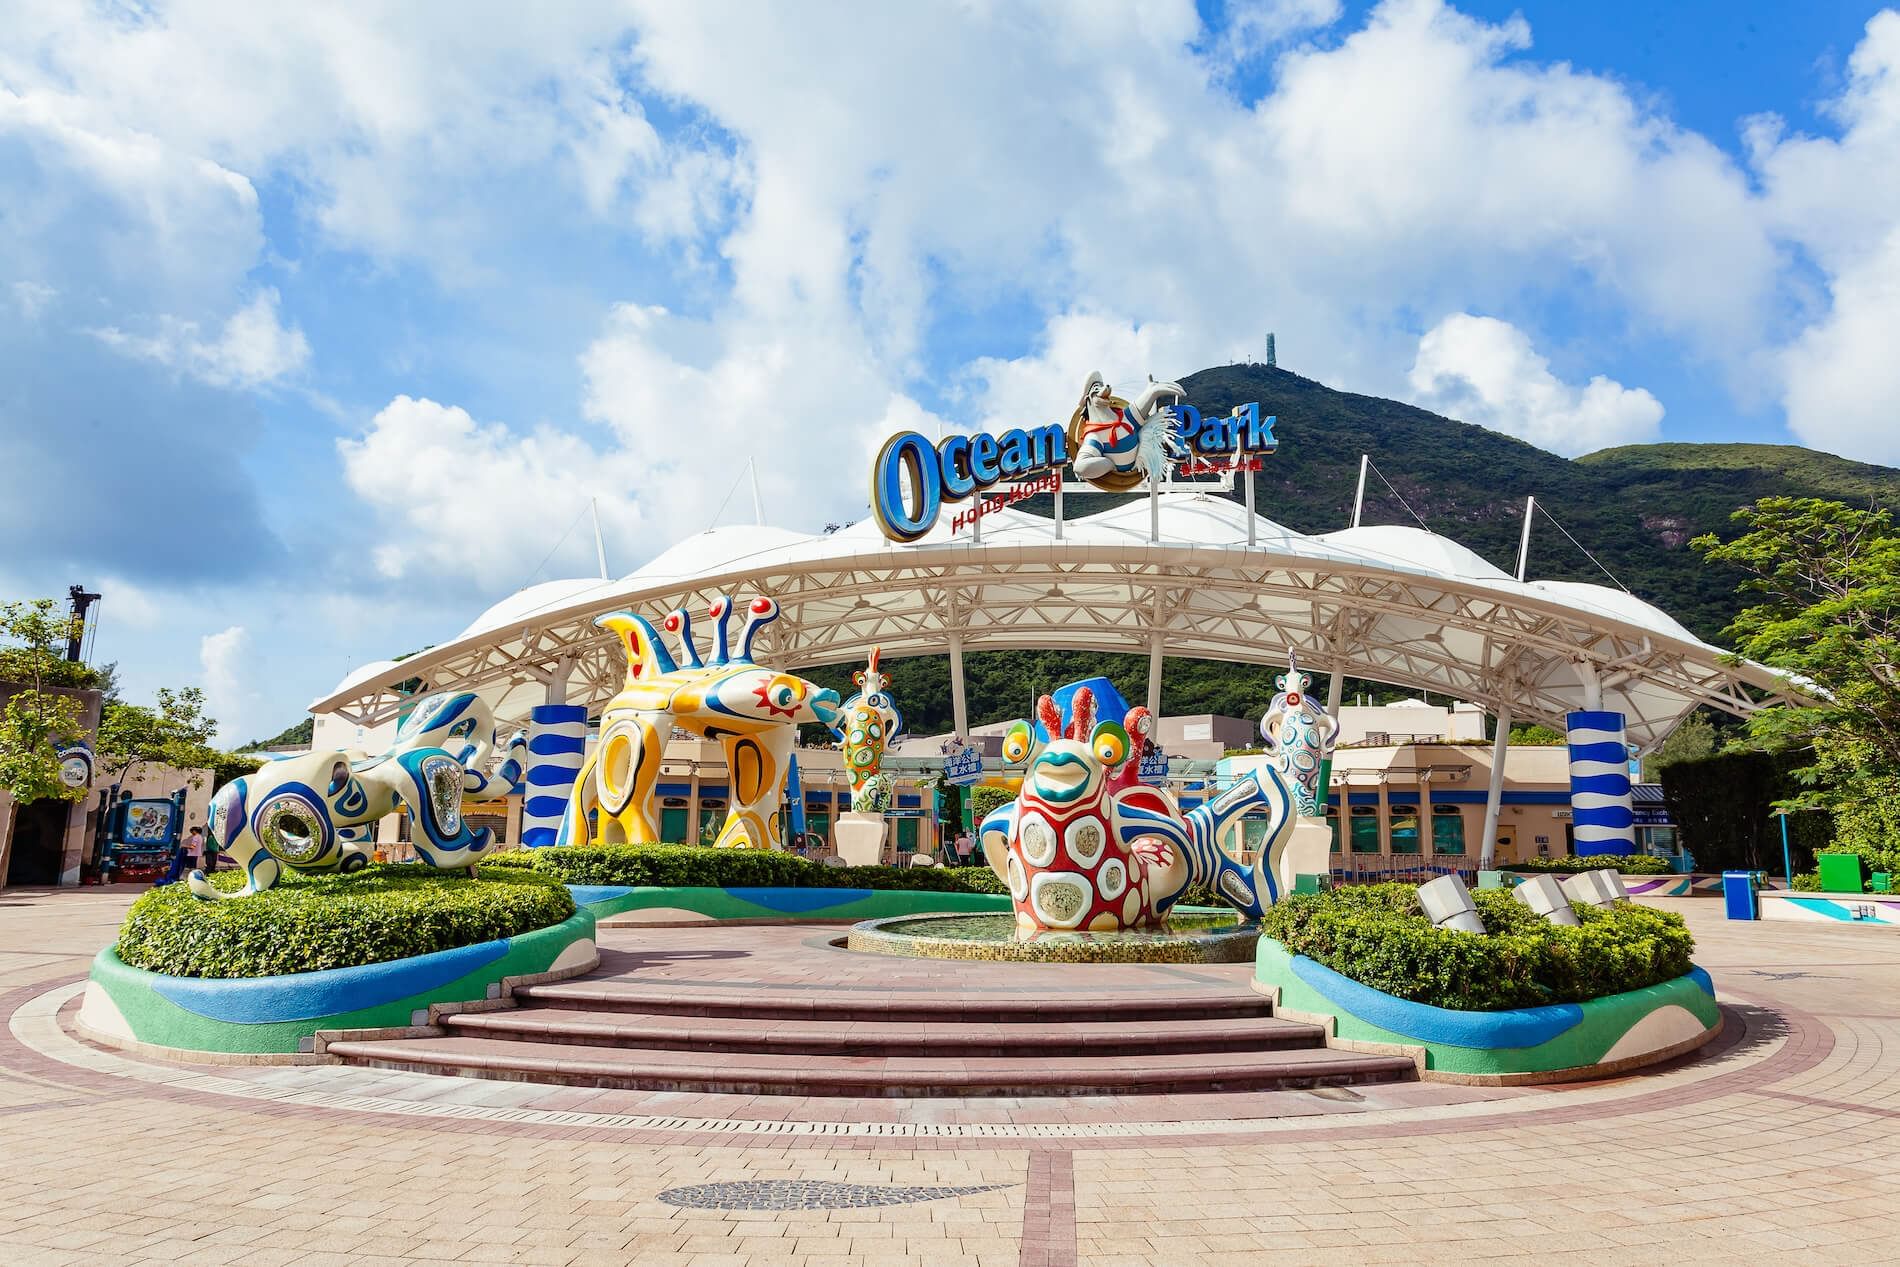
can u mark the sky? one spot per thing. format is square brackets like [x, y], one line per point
[322, 326]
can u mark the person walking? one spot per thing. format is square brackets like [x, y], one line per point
[965, 846]
[185, 856]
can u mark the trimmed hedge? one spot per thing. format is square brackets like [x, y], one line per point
[1628, 864]
[698, 866]
[1378, 935]
[306, 923]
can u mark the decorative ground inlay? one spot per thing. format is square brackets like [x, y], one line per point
[807, 1194]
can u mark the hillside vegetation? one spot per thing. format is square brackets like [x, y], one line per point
[1635, 507]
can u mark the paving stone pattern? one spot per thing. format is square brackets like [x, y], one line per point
[806, 1194]
[1779, 1146]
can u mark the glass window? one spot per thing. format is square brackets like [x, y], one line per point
[1448, 829]
[1365, 829]
[1332, 825]
[1404, 830]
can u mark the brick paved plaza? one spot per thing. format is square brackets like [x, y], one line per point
[1779, 1142]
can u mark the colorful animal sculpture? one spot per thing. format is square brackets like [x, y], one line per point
[317, 811]
[867, 726]
[1083, 849]
[753, 713]
[1117, 444]
[1299, 735]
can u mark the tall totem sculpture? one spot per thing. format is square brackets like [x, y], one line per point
[868, 725]
[752, 711]
[1084, 849]
[1299, 736]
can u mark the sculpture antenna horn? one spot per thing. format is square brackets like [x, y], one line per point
[679, 623]
[1050, 716]
[645, 654]
[1082, 714]
[760, 612]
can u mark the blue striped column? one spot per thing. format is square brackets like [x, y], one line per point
[557, 736]
[1600, 808]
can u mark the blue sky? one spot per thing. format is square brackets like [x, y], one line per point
[319, 327]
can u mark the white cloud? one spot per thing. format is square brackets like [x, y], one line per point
[1483, 370]
[254, 348]
[1254, 26]
[224, 661]
[1843, 373]
[1838, 200]
[31, 298]
[459, 501]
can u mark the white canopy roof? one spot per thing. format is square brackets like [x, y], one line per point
[1392, 604]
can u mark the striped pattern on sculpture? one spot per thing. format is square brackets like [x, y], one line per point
[557, 745]
[753, 713]
[317, 811]
[1602, 817]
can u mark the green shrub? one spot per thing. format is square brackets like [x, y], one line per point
[1377, 935]
[696, 866]
[308, 923]
[985, 801]
[510, 858]
[1807, 882]
[1628, 864]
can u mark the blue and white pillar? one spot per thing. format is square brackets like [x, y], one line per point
[1601, 815]
[557, 738]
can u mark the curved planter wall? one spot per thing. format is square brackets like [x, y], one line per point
[1540, 1044]
[660, 905]
[281, 1015]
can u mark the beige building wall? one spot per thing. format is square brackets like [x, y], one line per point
[1532, 819]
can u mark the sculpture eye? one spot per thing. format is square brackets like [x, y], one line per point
[1017, 743]
[1109, 743]
[339, 776]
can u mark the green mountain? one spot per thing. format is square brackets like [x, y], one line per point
[1635, 508]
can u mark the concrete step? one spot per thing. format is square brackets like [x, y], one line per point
[657, 1069]
[612, 994]
[955, 1037]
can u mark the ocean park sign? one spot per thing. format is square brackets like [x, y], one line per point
[1110, 443]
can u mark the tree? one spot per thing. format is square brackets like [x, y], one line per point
[176, 733]
[1693, 740]
[1827, 577]
[38, 717]
[1536, 735]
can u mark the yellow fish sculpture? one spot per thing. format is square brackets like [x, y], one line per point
[749, 710]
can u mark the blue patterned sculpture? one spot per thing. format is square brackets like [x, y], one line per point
[1299, 735]
[316, 811]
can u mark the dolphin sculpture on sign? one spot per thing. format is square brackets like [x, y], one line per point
[751, 711]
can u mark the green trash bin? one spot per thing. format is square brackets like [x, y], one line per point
[1880, 882]
[1312, 883]
[1841, 873]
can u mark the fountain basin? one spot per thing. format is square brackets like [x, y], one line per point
[1195, 935]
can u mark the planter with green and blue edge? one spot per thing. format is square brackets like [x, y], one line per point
[1558, 1042]
[281, 1016]
[657, 904]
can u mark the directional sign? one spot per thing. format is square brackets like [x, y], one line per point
[963, 767]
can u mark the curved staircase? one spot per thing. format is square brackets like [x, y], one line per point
[611, 1031]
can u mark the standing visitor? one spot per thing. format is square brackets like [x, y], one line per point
[185, 856]
[964, 847]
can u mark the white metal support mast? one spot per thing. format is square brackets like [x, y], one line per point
[1359, 498]
[1524, 541]
[600, 550]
